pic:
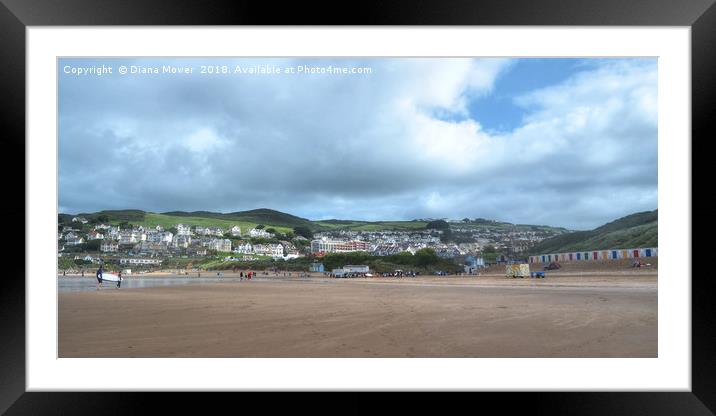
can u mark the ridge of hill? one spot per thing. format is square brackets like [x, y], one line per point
[636, 230]
[264, 216]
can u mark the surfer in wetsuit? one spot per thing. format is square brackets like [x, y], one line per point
[119, 281]
[99, 277]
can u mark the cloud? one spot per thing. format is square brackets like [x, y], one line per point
[395, 144]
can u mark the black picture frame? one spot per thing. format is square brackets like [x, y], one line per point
[16, 15]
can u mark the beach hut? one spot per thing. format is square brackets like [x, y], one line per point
[635, 253]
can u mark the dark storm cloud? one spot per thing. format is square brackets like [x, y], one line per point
[363, 147]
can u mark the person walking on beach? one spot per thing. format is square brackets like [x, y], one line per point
[99, 277]
[119, 281]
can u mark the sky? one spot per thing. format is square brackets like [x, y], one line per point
[562, 142]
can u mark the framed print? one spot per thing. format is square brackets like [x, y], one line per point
[467, 205]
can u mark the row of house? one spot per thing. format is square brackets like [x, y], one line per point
[235, 231]
[612, 254]
[283, 249]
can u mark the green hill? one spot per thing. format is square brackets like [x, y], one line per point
[284, 222]
[113, 216]
[268, 217]
[635, 230]
[326, 225]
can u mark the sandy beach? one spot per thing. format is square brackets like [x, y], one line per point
[569, 314]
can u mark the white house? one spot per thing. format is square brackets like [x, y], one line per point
[244, 247]
[261, 249]
[276, 250]
[273, 250]
[113, 233]
[79, 219]
[219, 244]
[160, 237]
[259, 233]
[236, 231]
[128, 237]
[109, 246]
[183, 229]
[181, 241]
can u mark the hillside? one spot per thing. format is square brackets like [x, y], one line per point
[284, 222]
[265, 216]
[116, 215]
[200, 218]
[327, 225]
[635, 230]
[244, 219]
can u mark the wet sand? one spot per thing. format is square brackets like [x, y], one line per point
[486, 316]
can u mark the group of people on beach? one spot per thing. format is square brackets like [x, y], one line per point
[248, 275]
[99, 273]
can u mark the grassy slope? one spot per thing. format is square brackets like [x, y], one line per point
[636, 230]
[274, 219]
[264, 216]
[370, 226]
[166, 221]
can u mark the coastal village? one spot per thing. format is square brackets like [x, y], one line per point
[451, 246]
[88, 241]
